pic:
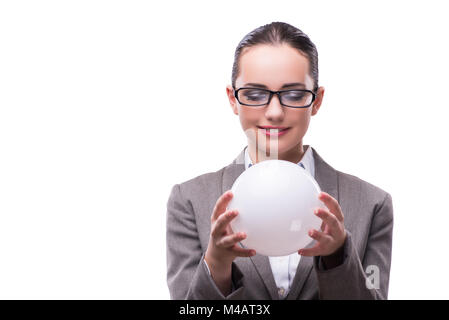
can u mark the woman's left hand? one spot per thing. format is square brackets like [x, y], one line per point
[333, 234]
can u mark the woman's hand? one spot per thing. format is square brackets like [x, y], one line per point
[223, 245]
[333, 234]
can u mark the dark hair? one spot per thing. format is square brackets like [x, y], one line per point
[277, 33]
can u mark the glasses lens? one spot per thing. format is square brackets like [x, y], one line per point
[253, 96]
[296, 98]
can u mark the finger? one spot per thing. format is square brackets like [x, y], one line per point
[221, 204]
[310, 252]
[328, 218]
[230, 240]
[319, 236]
[332, 204]
[222, 222]
[241, 252]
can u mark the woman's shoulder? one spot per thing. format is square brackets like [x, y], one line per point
[349, 184]
[367, 191]
[202, 183]
[206, 179]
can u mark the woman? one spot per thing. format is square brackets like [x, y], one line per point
[275, 92]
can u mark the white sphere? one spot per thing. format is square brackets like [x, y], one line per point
[275, 200]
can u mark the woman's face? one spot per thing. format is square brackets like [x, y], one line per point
[274, 67]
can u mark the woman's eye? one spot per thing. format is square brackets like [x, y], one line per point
[255, 95]
[294, 95]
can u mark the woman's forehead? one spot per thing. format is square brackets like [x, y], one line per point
[273, 66]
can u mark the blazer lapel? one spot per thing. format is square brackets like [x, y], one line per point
[263, 267]
[326, 178]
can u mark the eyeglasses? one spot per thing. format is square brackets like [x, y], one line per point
[297, 98]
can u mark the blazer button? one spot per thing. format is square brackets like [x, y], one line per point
[281, 291]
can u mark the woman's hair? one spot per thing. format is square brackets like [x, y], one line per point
[277, 33]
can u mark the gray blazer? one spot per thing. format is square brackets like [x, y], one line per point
[364, 273]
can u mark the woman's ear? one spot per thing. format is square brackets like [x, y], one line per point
[232, 99]
[318, 100]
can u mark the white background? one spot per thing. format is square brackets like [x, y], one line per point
[105, 105]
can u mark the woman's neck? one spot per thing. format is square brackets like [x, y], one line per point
[293, 155]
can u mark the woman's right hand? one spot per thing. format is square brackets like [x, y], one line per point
[223, 245]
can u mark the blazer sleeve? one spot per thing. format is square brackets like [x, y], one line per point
[367, 279]
[187, 274]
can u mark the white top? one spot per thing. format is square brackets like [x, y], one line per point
[284, 267]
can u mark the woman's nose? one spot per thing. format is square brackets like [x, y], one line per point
[274, 107]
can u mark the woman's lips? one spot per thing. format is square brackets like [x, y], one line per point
[274, 132]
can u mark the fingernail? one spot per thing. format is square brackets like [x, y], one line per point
[253, 253]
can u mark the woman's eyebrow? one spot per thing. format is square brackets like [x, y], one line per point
[286, 85]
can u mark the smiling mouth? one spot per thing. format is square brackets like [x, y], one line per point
[274, 132]
[278, 129]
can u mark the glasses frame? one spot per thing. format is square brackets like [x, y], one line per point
[278, 93]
